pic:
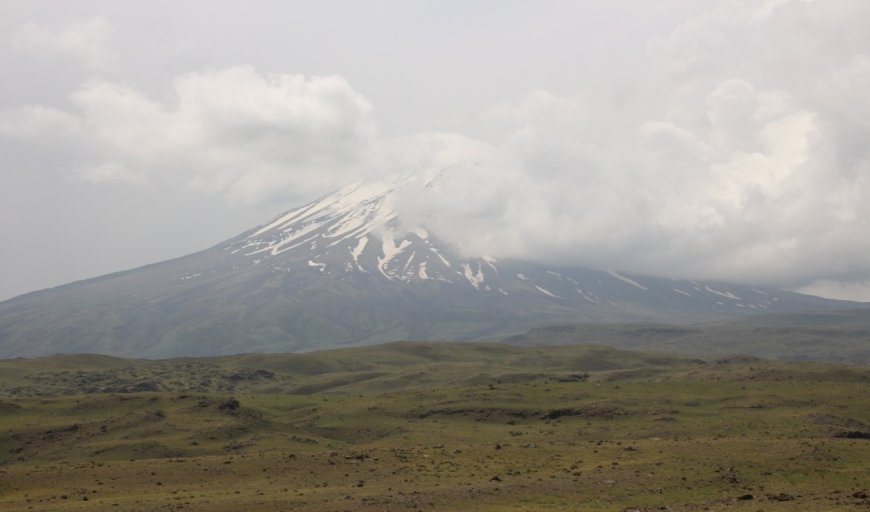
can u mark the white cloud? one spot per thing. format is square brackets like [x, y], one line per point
[469, 200]
[733, 167]
[230, 131]
[87, 40]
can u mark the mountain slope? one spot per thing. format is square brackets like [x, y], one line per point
[343, 271]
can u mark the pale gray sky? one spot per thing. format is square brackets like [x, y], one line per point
[718, 139]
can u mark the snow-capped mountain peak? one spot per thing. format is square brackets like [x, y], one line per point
[355, 234]
[356, 230]
[345, 270]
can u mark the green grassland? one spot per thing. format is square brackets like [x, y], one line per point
[433, 426]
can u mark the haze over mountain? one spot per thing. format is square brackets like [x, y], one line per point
[346, 270]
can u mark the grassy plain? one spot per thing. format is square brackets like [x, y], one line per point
[433, 426]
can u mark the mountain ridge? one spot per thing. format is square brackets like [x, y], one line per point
[341, 271]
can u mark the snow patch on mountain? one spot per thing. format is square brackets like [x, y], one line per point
[475, 278]
[624, 279]
[547, 292]
[390, 250]
[442, 258]
[358, 249]
[722, 293]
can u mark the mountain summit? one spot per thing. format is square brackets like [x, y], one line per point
[343, 270]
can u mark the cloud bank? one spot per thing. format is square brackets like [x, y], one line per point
[742, 156]
[231, 131]
[738, 152]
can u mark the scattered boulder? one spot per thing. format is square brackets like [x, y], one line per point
[139, 387]
[230, 406]
[574, 377]
[780, 497]
[250, 374]
[592, 411]
[482, 413]
[853, 434]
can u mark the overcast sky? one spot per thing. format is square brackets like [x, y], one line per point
[700, 138]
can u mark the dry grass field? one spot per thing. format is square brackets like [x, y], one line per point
[433, 426]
